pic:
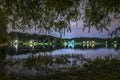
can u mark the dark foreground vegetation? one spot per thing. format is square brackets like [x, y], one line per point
[106, 68]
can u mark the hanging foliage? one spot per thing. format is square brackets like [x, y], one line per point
[56, 15]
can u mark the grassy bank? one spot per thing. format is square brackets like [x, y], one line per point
[107, 68]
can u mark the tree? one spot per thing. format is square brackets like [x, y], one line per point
[101, 13]
[3, 33]
[13, 36]
[56, 15]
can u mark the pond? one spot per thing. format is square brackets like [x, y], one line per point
[88, 50]
[44, 60]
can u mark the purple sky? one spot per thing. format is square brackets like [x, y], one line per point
[77, 31]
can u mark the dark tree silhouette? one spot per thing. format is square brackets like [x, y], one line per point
[56, 15]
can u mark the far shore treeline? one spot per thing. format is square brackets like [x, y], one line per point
[12, 36]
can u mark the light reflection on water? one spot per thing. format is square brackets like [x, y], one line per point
[89, 50]
[89, 53]
[38, 60]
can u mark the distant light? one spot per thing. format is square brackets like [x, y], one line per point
[88, 45]
[30, 45]
[31, 42]
[83, 42]
[16, 41]
[115, 45]
[92, 45]
[72, 41]
[65, 43]
[16, 46]
[106, 45]
[71, 44]
[83, 45]
[87, 42]
[92, 42]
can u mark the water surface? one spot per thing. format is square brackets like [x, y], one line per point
[23, 52]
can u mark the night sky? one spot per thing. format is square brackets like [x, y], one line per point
[77, 31]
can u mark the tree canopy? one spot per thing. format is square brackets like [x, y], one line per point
[56, 15]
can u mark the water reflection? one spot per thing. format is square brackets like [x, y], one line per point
[45, 64]
[89, 49]
[115, 45]
[16, 46]
[44, 60]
